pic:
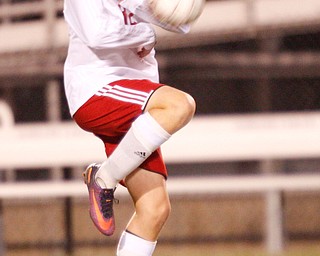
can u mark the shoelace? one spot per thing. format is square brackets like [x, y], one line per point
[106, 201]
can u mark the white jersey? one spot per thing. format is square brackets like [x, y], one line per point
[104, 38]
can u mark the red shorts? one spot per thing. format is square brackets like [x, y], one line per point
[110, 112]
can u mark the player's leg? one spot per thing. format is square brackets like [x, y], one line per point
[167, 111]
[108, 117]
[152, 208]
[171, 108]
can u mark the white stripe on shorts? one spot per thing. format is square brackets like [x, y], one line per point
[125, 94]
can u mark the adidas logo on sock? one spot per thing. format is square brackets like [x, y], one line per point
[141, 154]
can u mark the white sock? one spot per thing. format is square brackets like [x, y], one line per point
[131, 245]
[144, 137]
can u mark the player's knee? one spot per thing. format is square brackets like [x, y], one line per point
[172, 107]
[158, 215]
[181, 107]
[189, 107]
[164, 211]
[185, 109]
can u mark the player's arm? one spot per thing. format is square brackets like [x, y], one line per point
[99, 29]
[142, 9]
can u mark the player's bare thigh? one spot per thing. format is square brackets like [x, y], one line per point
[151, 200]
[171, 108]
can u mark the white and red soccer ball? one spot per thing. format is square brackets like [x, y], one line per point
[177, 12]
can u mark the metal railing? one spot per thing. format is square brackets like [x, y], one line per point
[13, 12]
[220, 21]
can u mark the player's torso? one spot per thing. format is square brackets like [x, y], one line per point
[88, 69]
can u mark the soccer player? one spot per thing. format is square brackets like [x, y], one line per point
[113, 91]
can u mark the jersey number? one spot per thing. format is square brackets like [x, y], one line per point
[127, 16]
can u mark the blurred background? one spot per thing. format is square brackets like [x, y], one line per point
[252, 154]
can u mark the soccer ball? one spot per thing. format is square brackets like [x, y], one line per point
[177, 12]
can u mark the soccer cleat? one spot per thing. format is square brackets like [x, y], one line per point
[101, 202]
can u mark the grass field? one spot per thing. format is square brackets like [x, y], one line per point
[203, 249]
[241, 249]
